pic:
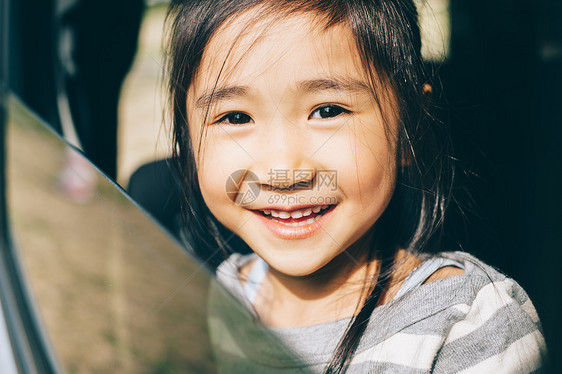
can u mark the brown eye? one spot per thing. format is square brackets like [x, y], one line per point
[327, 111]
[236, 118]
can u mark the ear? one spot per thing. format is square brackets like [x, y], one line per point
[427, 92]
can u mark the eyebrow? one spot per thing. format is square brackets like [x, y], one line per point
[211, 96]
[337, 84]
[225, 93]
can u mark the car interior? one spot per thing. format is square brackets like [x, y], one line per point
[95, 275]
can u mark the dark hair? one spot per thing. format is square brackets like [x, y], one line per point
[388, 39]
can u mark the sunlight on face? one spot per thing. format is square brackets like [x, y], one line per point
[292, 131]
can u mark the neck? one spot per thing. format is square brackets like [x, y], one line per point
[329, 294]
[335, 292]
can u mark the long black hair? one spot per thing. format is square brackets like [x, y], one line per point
[388, 39]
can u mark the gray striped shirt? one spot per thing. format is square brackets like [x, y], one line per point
[478, 322]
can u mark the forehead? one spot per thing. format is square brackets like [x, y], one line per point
[247, 48]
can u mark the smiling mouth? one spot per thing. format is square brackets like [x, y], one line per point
[298, 217]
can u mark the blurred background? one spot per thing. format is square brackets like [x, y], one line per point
[93, 69]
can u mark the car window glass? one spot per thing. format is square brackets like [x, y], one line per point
[112, 291]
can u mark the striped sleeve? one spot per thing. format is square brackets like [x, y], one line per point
[500, 333]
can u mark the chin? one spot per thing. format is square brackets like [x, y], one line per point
[297, 265]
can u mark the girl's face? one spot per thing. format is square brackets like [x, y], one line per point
[295, 157]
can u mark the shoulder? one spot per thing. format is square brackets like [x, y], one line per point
[228, 276]
[229, 270]
[476, 319]
[498, 330]
[444, 272]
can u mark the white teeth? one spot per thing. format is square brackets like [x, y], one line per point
[284, 215]
[296, 224]
[296, 214]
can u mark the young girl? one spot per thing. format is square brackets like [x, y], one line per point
[316, 179]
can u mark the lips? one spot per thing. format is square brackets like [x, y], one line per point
[296, 223]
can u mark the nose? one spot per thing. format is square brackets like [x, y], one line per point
[284, 159]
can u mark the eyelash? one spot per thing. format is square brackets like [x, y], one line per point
[332, 107]
[240, 118]
[227, 118]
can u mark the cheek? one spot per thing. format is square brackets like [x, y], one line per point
[376, 169]
[213, 171]
[212, 185]
[370, 185]
[217, 165]
[210, 173]
[370, 175]
[375, 155]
